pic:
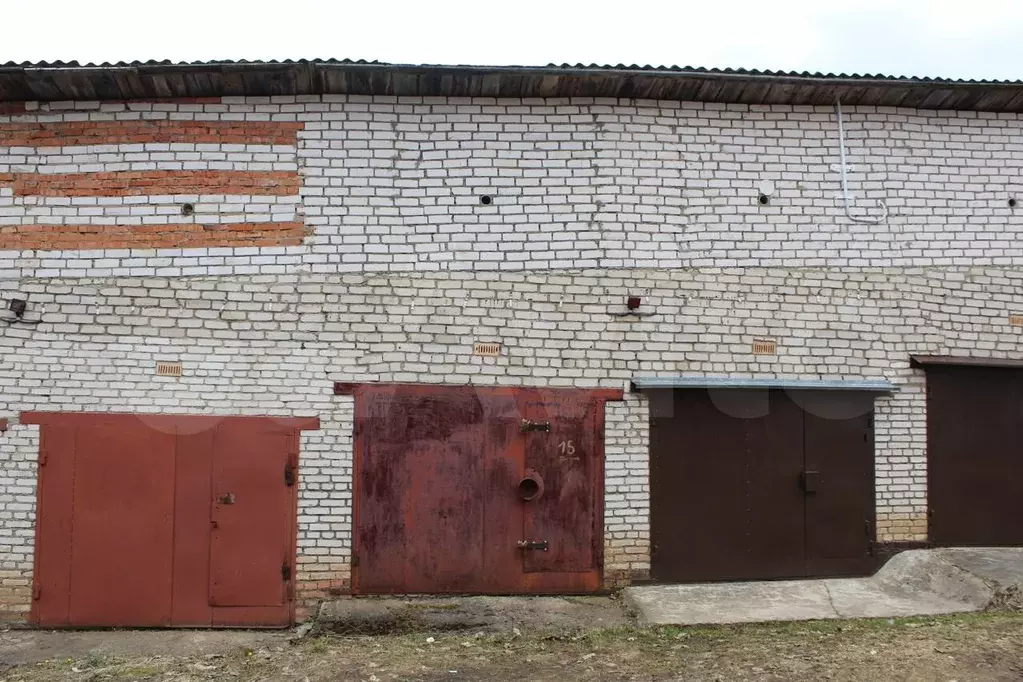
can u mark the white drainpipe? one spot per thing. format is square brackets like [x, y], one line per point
[845, 182]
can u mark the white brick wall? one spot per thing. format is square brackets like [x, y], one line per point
[396, 184]
[593, 200]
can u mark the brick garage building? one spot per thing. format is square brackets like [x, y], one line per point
[310, 243]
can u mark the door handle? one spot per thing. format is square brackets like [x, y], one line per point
[809, 480]
[540, 545]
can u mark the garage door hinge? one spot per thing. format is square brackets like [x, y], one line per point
[37, 591]
[355, 560]
[289, 475]
[285, 571]
[43, 456]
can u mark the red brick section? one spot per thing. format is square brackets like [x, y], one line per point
[9, 108]
[81, 133]
[129, 183]
[72, 237]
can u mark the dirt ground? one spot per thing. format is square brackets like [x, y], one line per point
[970, 647]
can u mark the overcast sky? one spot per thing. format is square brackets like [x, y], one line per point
[951, 38]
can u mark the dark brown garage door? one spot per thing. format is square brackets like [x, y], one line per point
[760, 484]
[975, 455]
[156, 520]
[478, 489]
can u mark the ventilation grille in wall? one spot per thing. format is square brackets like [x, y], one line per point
[765, 347]
[168, 369]
[487, 350]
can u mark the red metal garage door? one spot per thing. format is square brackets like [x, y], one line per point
[164, 521]
[484, 490]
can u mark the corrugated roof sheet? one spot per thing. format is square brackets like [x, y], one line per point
[59, 80]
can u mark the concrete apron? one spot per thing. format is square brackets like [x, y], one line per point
[913, 583]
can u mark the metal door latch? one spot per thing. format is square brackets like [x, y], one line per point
[528, 425]
[809, 480]
[226, 499]
[533, 544]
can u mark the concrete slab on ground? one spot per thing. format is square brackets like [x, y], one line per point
[375, 615]
[912, 583]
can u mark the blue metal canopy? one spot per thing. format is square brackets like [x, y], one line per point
[875, 385]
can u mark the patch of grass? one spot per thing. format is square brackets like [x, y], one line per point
[134, 672]
[319, 645]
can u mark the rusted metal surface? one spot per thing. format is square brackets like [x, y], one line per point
[124, 520]
[975, 462]
[70, 81]
[421, 505]
[759, 484]
[438, 502]
[567, 459]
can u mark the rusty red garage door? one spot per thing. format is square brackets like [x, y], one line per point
[758, 484]
[157, 520]
[478, 489]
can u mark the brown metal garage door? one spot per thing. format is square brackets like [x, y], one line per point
[975, 455]
[760, 484]
[155, 520]
[478, 489]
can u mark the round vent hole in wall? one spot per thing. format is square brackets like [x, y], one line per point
[486, 199]
[187, 209]
[1012, 203]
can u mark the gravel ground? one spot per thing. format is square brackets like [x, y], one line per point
[969, 647]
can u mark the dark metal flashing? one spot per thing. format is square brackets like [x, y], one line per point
[869, 385]
[925, 361]
[65, 81]
[350, 388]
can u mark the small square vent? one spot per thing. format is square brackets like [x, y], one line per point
[765, 347]
[487, 350]
[168, 369]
